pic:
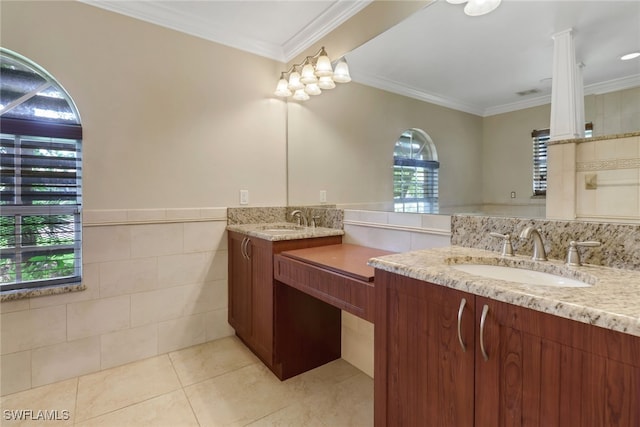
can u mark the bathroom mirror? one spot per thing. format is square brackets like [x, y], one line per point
[340, 144]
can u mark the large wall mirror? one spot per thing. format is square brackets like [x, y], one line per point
[479, 86]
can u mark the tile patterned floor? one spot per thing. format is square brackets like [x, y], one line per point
[219, 383]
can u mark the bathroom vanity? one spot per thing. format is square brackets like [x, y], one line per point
[252, 292]
[461, 350]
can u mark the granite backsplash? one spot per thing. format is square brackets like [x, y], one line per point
[620, 242]
[327, 215]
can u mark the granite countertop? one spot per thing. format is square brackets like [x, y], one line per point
[612, 302]
[290, 231]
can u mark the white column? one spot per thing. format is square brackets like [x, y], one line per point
[567, 122]
[567, 92]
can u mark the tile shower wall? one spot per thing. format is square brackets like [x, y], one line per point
[156, 282]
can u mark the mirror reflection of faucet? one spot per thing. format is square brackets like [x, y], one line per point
[301, 219]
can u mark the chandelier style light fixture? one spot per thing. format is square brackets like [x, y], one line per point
[312, 76]
[477, 7]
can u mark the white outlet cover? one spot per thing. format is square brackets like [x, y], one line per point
[244, 197]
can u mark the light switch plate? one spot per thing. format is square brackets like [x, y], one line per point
[244, 197]
[323, 196]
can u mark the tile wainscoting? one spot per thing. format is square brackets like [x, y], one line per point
[156, 282]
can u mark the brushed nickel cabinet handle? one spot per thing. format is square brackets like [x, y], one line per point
[247, 248]
[463, 302]
[483, 319]
[243, 247]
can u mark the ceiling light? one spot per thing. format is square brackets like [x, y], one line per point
[477, 7]
[316, 75]
[313, 89]
[323, 65]
[629, 56]
[308, 74]
[300, 95]
[283, 87]
[294, 81]
[326, 83]
[341, 73]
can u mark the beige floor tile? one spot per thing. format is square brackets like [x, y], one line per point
[27, 408]
[347, 404]
[170, 410]
[321, 379]
[116, 388]
[205, 361]
[239, 397]
[294, 415]
[335, 395]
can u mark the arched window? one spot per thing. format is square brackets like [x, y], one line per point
[40, 178]
[415, 173]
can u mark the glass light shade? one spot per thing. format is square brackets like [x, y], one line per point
[341, 73]
[326, 83]
[480, 7]
[456, 1]
[308, 75]
[282, 89]
[300, 95]
[323, 67]
[313, 89]
[294, 81]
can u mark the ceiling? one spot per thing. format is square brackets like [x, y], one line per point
[440, 55]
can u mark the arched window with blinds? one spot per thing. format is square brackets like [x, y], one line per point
[415, 173]
[40, 178]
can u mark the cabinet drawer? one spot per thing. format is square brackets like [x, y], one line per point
[346, 293]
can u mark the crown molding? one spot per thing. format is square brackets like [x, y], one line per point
[613, 85]
[156, 12]
[412, 92]
[329, 20]
[159, 14]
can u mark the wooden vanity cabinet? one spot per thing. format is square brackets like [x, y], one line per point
[544, 370]
[422, 375]
[541, 370]
[252, 291]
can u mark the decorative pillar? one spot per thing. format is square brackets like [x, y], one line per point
[567, 122]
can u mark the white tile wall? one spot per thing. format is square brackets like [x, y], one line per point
[65, 360]
[151, 288]
[614, 164]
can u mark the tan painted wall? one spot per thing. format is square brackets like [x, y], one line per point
[170, 120]
[342, 141]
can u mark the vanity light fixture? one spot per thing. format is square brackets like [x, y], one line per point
[477, 7]
[312, 76]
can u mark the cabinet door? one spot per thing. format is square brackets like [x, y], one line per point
[423, 376]
[261, 254]
[543, 370]
[240, 292]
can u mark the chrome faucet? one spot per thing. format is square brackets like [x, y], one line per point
[539, 253]
[300, 217]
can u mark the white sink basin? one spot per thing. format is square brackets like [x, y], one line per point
[520, 275]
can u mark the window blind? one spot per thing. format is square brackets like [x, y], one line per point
[415, 185]
[40, 203]
[540, 142]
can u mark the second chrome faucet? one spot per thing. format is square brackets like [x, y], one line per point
[539, 254]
